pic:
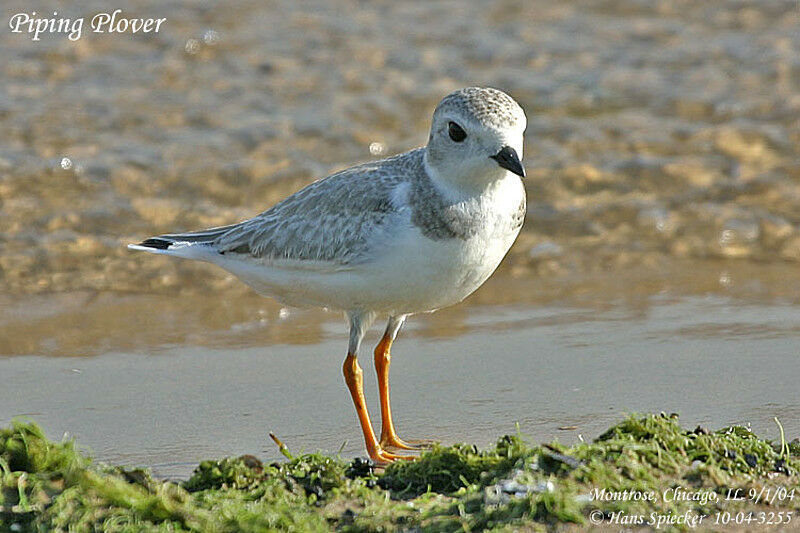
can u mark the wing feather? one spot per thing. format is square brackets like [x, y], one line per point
[333, 223]
[334, 220]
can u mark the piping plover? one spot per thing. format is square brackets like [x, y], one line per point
[408, 234]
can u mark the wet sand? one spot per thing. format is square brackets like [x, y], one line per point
[715, 360]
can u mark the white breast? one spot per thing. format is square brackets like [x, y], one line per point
[420, 274]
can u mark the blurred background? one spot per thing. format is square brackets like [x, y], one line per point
[657, 268]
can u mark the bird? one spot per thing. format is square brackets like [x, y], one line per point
[408, 234]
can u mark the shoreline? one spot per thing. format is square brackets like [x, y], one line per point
[645, 472]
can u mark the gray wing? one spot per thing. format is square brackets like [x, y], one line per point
[334, 220]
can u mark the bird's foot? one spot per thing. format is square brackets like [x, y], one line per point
[383, 458]
[393, 442]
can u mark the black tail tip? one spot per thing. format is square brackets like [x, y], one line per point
[155, 242]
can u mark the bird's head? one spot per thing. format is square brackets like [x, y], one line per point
[476, 137]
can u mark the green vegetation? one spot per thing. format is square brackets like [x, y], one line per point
[49, 486]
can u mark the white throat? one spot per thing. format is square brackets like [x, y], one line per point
[463, 185]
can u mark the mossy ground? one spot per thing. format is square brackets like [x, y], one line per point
[51, 486]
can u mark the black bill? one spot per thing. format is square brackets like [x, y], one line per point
[508, 159]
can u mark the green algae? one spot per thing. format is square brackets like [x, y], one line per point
[52, 486]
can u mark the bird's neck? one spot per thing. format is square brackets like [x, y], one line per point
[464, 187]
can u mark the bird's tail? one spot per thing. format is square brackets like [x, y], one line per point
[192, 245]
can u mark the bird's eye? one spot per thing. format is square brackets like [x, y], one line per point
[456, 132]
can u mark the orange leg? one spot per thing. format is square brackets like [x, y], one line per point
[353, 376]
[383, 359]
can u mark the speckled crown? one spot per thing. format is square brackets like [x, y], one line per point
[487, 105]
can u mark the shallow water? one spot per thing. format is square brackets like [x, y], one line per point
[655, 128]
[656, 270]
[470, 373]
